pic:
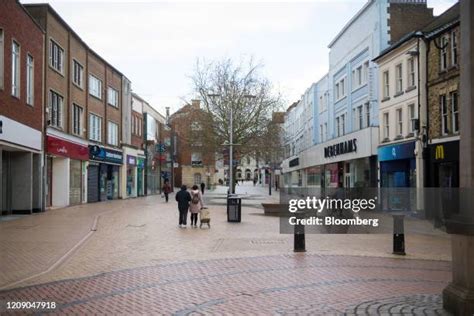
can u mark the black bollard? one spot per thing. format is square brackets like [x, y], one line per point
[299, 238]
[398, 235]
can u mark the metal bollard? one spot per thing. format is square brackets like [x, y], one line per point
[299, 238]
[398, 235]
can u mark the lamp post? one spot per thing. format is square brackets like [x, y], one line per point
[231, 138]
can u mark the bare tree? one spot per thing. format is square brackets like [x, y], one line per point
[224, 85]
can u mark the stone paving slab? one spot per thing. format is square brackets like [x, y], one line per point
[297, 284]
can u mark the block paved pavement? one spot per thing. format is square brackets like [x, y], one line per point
[138, 254]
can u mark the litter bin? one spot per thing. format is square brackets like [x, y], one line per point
[234, 208]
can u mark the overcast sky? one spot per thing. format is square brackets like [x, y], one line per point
[156, 43]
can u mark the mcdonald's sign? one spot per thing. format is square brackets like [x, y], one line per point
[439, 152]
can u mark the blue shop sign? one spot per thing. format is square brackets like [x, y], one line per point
[105, 155]
[396, 152]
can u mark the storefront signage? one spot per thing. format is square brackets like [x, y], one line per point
[448, 151]
[104, 154]
[64, 148]
[131, 160]
[341, 148]
[398, 151]
[294, 162]
[439, 152]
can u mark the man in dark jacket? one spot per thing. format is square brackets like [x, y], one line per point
[183, 198]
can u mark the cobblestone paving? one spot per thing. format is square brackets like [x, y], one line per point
[299, 284]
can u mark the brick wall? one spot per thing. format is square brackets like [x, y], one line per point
[18, 25]
[441, 82]
[405, 18]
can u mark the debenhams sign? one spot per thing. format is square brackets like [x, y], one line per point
[341, 148]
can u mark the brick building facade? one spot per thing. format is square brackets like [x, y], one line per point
[21, 110]
[443, 47]
[196, 163]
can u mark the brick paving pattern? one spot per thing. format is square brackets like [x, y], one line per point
[284, 285]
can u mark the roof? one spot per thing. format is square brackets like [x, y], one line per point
[351, 21]
[70, 29]
[439, 24]
[31, 17]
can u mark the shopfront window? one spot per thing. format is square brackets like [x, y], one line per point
[313, 176]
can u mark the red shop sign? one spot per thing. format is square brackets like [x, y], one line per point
[64, 148]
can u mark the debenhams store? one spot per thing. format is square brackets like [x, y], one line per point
[349, 161]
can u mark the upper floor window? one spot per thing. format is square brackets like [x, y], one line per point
[112, 97]
[366, 72]
[1, 58]
[112, 134]
[321, 133]
[196, 159]
[386, 126]
[454, 111]
[95, 127]
[411, 117]
[399, 122]
[195, 126]
[411, 72]
[367, 114]
[357, 77]
[386, 84]
[56, 109]
[30, 75]
[399, 78]
[443, 54]
[325, 134]
[360, 117]
[56, 56]
[338, 127]
[340, 89]
[444, 115]
[15, 69]
[77, 73]
[77, 112]
[95, 87]
[454, 48]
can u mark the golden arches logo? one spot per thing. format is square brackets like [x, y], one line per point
[439, 153]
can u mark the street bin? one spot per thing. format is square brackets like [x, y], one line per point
[234, 208]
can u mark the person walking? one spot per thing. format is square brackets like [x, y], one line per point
[203, 186]
[183, 198]
[196, 205]
[166, 189]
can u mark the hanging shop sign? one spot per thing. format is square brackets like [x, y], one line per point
[141, 163]
[131, 160]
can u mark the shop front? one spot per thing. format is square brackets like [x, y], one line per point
[21, 173]
[397, 165]
[348, 161]
[443, 165]
[103, 182]
[140, 176]
[66, 165]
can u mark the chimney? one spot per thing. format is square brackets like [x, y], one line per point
[196, 104]
[167, 115]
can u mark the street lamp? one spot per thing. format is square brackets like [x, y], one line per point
[231, 138]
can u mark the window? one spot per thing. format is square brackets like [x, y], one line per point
[367, 114]
[399, 79]
[366, 72]
[321, 133]
[95, 127]
[95, 87]
[30, 75]
[343, 87]
[340, 89]
[196, 159]
[399, 122]
[15, 69]
[411, 72]
[56, 56]
[77, 73]
[360, 117]
[338, 127]
[112, 134]
[443, 54]
[112, 97]
[1, 58]
[454, 49]
[386, 130]
[77, 119]
[343, 123]
[325, 131]
[411, 117]
[444, 115]
[56, 109]
[455, 111]
[195, 126]
[386, 85]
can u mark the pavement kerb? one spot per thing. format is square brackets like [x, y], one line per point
[64, 257]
